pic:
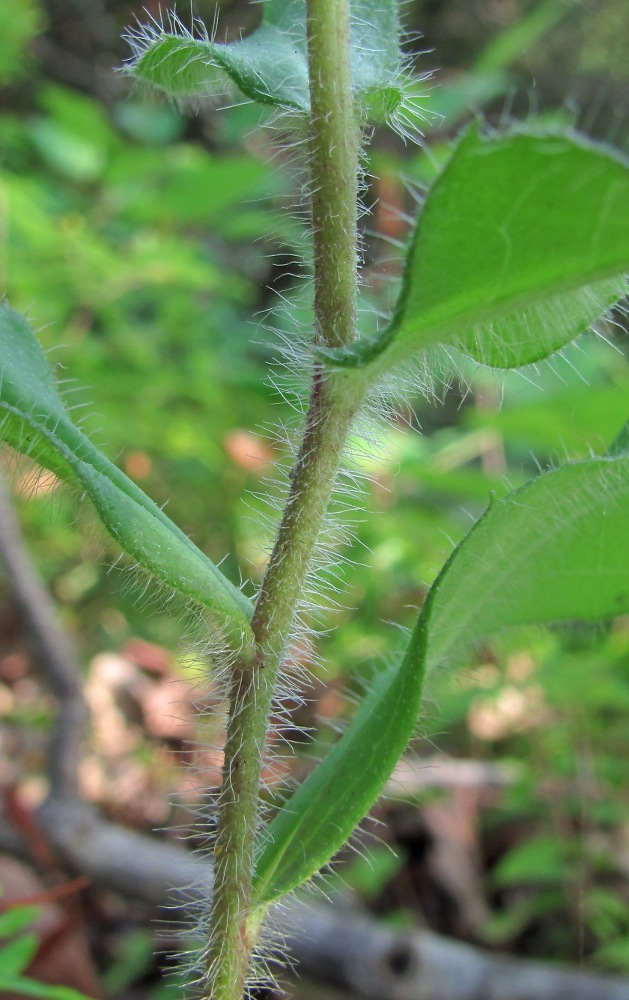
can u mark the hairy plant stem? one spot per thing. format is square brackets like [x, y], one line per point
[334, 171]
[334, 168]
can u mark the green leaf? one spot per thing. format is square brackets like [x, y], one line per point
[614, 955]
[454, 100]
[556, 549]
[620, 444]
[542, 860]
[32, 988]
[511, 43]
[270, 65]
[17, 954]
[317, 820]
[19, 25]
[522, 244]
[15, 919]
[35, 422]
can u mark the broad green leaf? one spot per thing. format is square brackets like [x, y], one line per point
[35, 421]
[522, 244]
[321, 815]
[270, 65]
[556, 549]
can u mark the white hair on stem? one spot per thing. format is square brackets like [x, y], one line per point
[429, 376]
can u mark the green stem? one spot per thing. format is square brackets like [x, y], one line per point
[334, 167]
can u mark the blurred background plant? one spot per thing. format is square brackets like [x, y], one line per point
[147, 247]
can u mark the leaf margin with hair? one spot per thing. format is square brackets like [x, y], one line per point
[387, 718]
[330, 803]
[270, 65]
[583, 501]
[444, 301]
[36, 423]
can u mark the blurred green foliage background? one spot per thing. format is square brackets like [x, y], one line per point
[148, 246]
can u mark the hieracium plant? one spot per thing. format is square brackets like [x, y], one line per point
[521, 245]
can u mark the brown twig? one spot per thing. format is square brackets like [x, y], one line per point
[54, 652]
[341, 948]
[51, 895]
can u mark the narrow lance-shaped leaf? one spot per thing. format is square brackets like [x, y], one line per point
[33, 419]
[270, 65]
[321, 815]
[522, 244]
[18, 953]
[556, 549]
[27, 987]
